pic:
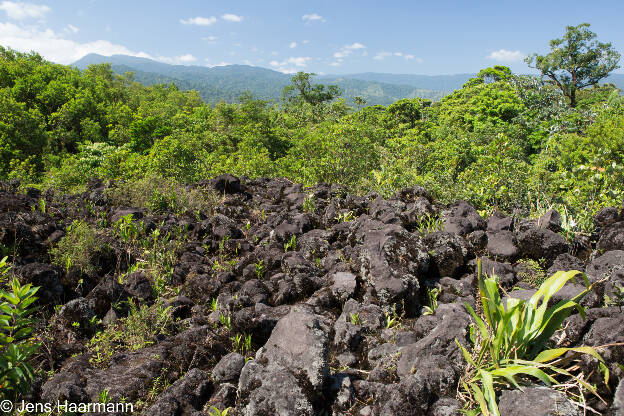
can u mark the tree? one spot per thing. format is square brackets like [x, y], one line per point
[576, 61]
[407, 111]
[313, 94]
[488, 75]
[359, 101]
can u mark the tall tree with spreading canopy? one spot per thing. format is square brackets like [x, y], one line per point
[576, 61]
[313, 94]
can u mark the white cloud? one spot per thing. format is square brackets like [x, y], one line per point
[312, 17]
[54, 47]
[229, 17]
[355, 45]
[199, 21]
[21, 11]
[177, 60]
[222, 63]
[305, 42]
[348, 50]
[71, 29]
[210, 38]
[380, 56]
[337, 63]
[292, 45]
[503, 55]
[290, 65]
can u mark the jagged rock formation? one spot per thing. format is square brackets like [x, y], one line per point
[315, 289]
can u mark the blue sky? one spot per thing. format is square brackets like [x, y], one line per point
[328, 37]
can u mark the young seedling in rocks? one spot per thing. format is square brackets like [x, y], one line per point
[291, 244]
[260, 269]
[355, 319]
[226, 321]
[428, 224]
[104, 396]
[345, 216]
[432, 298]
[214, 411]
[617, 298]
[237, 342]
[308, 204]
[393, 320]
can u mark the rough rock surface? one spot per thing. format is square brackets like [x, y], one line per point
[348, 307]
[536, 401]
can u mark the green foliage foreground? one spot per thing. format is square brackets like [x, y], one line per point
[16, 343]
[511, 343]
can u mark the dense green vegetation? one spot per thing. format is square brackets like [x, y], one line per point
[502, 141]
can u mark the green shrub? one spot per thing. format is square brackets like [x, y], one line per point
[138, 330]
[79, 248]
[531, 272]
[158, 194]
[17, 345]
[511, 342]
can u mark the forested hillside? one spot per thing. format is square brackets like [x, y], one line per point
[229, 82]
[502, 141]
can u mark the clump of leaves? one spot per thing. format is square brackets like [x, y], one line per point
[510, 346]
[79, 248]
[4, 269]
[393, 319]
[128, 230]
[346, 216]
[214, 411]
[242, 344]
[355, 319]
[226, 321]
[428, 224]
[432, 300]
[616, 298]
[17, 345]
[260, 269]
[136, 331]
[531, 272]
[308, 204]
[291, 244]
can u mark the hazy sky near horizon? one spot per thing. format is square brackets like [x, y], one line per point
[339, 36]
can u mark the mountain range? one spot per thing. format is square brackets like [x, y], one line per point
[229, 82]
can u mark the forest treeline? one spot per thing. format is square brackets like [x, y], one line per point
[502, 141]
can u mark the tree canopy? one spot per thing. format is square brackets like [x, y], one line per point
[576, 61]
